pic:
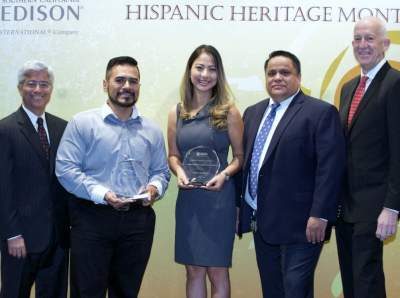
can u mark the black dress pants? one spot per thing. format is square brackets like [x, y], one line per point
[48, 270]
[109, 249]
[286, 270]
[360, 259]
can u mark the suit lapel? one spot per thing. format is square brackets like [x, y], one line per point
[53, 135]
[291, 111]
[29, 132]
[370, 94]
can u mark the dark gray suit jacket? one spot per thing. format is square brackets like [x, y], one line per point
[32, 202]
[373, 147]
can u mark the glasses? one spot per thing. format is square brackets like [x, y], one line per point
[35, 84]
[122, 81]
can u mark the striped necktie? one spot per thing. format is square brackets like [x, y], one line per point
[43, 137]
[258, 148]
[357, 99]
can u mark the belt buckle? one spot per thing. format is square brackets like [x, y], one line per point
[123, 208]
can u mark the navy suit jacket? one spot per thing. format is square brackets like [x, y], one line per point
[32, 202]
[373, 147]
[301, 173]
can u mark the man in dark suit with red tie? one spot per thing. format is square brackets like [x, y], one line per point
[293, 163]
[370, 115]
[34, 225]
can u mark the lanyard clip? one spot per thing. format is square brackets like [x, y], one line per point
[253, 223]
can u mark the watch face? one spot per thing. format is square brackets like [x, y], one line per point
[226, 176]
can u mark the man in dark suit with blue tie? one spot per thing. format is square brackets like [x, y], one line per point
[34, 225]
[293, 163]
[370, 115]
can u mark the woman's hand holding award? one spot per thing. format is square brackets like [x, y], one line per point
[201, 164]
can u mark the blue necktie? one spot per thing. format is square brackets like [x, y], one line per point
[258, 148]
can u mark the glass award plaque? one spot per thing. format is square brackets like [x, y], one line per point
[201, 164]
[129, 179]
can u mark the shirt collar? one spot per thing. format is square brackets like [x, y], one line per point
[372, 72]
[107, 112]
[33, 117]
[286, 102]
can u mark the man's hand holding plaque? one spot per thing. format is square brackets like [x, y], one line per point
[129, 184]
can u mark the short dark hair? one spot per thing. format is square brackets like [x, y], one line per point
[292, 57]
[121, 60]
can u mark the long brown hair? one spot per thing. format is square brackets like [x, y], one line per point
[222, 98]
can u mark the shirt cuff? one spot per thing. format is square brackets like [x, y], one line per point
[323, 219]
[393, 210]
[15, 237]
[159, 187]
[98, 194]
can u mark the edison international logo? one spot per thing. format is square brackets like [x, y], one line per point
[394, 37]
[32, 17]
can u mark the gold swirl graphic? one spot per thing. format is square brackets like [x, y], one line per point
[331, 71]
[394, 37]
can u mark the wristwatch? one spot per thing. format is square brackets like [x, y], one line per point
[226, 176]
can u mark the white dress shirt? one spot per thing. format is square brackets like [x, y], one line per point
[280, 111]
[34, 119]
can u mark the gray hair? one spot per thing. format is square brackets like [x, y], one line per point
[34, 65]
[381, 28]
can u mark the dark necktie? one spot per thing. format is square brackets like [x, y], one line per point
[43, 137]
[357, 99]
[258, 148]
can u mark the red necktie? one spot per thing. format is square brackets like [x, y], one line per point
[357, 99]
[43, 137]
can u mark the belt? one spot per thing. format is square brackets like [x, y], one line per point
[89, 204]
[134, 205]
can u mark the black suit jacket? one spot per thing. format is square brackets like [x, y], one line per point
[373, 147]
[301, 172]
[32, 202]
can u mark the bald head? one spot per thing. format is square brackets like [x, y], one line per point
[369, 42]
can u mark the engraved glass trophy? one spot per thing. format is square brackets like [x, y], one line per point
[129, 179]
[201, 164]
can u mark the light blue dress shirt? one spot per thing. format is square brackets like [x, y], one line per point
[95, 142]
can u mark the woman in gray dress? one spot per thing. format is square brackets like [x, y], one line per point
[205, 214]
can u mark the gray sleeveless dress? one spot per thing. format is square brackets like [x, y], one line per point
[205, 220]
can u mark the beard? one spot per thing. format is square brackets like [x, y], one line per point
[123, 104]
